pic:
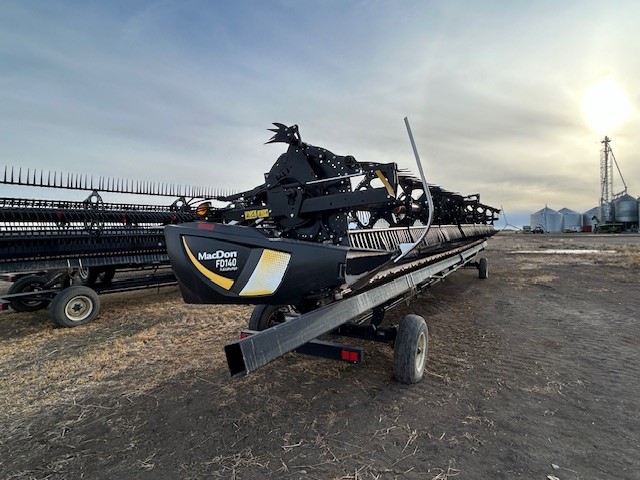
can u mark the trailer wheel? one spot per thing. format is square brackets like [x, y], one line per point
[265, 316]
[483, 268]
[74, 306]
[410, 349]
[91, 275]
[88, 275]
[30, 283]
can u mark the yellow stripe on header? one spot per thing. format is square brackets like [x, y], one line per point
[386, 183]
[219, 280]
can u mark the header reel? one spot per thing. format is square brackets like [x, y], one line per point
[313, 194]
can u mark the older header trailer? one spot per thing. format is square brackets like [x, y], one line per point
[327, 244]
[47, 245]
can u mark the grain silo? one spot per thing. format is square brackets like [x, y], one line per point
[625, 210]
[548, 219]
[571, 220]
[591, 217]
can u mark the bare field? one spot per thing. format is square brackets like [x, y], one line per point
[535, 368]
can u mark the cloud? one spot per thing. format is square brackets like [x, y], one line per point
[183, 91]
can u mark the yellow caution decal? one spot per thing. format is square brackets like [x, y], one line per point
[253, 214]
[219, 280]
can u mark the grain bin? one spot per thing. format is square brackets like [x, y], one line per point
[571, 220]
[588, 216]
[548, 219]
[625, 209]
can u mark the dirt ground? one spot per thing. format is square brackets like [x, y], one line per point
[533, 373]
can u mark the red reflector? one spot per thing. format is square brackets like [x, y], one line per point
[244, 335]
[349, 356]
[4, 306]
[205, 225]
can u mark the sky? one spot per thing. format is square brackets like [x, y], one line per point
[183, 91]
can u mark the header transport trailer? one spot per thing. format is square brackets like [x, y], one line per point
[326, 245]
[63, 254]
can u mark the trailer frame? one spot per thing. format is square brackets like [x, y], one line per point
[81, 302]
[358, 315]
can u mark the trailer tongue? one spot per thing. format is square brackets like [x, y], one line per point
[330, 244]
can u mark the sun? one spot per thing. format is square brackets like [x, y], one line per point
[605, 106]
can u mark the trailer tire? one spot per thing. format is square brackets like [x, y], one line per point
[88, 275]
[91, 275]
[483, 268]
[30, 283]
[265, 316]
[410, 349]
[74, 306]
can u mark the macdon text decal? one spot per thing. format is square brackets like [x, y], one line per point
[225, 261]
